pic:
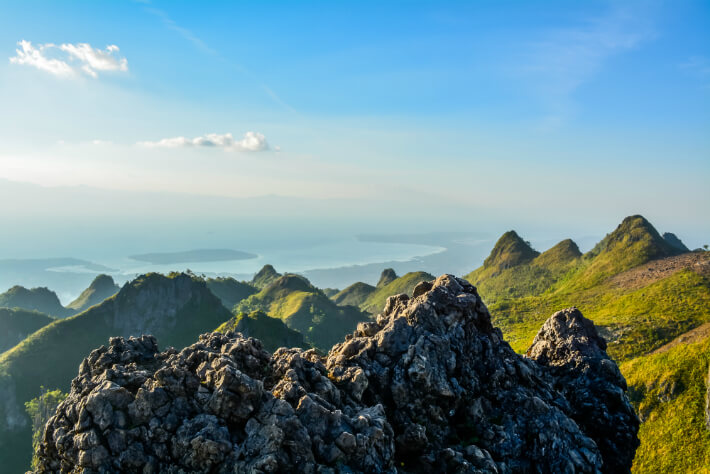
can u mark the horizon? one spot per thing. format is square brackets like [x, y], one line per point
[553, 118]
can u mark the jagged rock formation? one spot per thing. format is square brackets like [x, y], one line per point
[569, 345]
[101, 288]
[430, 386]
[387, 276]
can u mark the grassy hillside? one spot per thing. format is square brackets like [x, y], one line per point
[527, 276]
[354, 295]
[229, 290]
[641, 294]
[404, 284]
[175, 308]
[272, 332]
[35, 299]
[101, 288]
[668, 389]
[306, 309]
[16, 324]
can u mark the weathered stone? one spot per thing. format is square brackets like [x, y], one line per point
[430, 386]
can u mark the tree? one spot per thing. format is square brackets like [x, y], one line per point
[41, 409]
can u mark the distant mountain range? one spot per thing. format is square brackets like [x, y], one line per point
[649, 297]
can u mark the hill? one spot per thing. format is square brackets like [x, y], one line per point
[229, 290]
[641, 293]
[388, 276]
[675, 242]
[354, 295]
[101, 288]
[404, 284]
[265, 277]
[304, 308]
[36, 299]
[174, 308]
[527, 276]
[16, 324]
[272, 332]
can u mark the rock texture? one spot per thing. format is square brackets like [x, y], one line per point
[430, 386]
[573, 352]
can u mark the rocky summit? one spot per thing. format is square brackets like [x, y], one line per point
[429, 386]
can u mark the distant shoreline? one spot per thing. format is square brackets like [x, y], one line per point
[193, 256]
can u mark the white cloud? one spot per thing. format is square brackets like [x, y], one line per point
[252, 141]
[70, 60]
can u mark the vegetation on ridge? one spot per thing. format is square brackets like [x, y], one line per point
[272, 332]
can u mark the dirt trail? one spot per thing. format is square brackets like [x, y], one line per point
[656, 270]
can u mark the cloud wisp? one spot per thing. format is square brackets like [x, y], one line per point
[252, 141]
[70, 60]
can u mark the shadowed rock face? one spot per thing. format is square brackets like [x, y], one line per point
[579, 368]
[430, 386]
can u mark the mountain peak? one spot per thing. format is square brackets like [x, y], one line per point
[559, 255]
[388, 276]
[509, 251]
[635, 234]
[40, 299]
[101, 288]
[265, 276]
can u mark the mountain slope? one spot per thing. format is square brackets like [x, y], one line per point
[272, 332]
[175, 309]
[669, 390]
[641, 294]
[229, 290]
[16, 324]
[388, 276]
[101, 288]
[526, 277]
[305, 309]
[675, 242]
[35, 299]
[354, 295]
[404, 284]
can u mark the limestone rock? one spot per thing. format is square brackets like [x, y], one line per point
[430, 386]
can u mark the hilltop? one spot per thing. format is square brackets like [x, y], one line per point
[36, 299]
[528, 274]
[304, 308]
[16, 324]
[265, 277]
[354, 295]
[404, 284]
[176, 308]
[642, 292]
[101, 288]
[229, 290]
[272, 332]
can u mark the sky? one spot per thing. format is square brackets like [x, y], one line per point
[547, 114]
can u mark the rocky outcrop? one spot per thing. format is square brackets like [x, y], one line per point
[574, 354]
[430, 386]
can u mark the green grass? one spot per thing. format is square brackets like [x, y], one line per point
[354, 295]
[404, 284]
[229, 290]
[306, 309]
[669, 389]
[101, 288]
[16, 324]
[272, 332]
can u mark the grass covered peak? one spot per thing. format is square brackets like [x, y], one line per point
[510, 250]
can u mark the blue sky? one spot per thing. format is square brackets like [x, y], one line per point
[565, 111]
